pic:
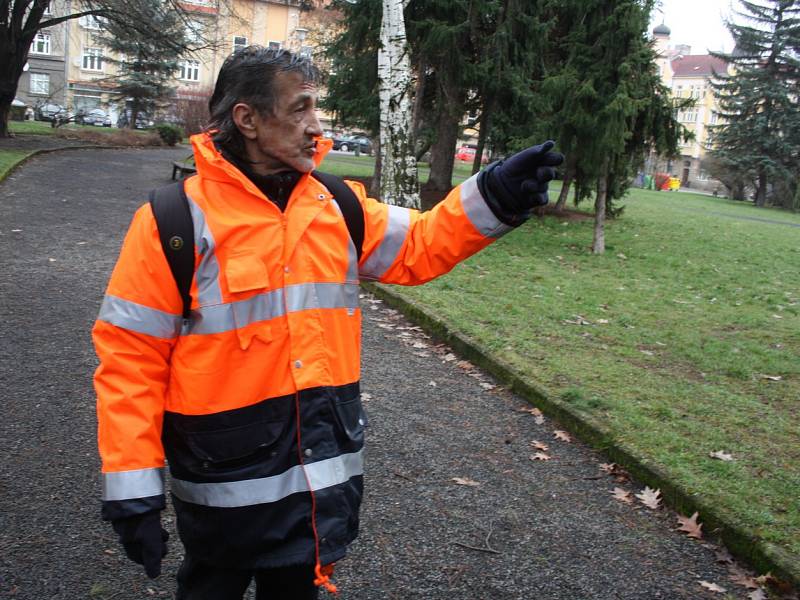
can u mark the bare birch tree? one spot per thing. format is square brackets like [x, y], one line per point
[399, 182]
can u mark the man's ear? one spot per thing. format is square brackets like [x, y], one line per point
[244, 117]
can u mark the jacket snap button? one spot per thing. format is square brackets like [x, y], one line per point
[286, 269]
[298, 364]
[308, 452]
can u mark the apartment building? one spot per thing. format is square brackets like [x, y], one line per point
[688, 75]
[44, 78]
[68, 65]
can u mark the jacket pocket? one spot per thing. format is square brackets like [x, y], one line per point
[236, 447]
[351, 417]
[247, 275]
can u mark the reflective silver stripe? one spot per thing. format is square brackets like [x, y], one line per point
[352, 255]
[322, 474]
[386, 253]
[478, 212]
[139, 318]
[321, 295]
[207, 273]
[269, 305]
[233, 315]
[125, 485]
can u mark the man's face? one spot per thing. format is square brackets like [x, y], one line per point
[285, 139]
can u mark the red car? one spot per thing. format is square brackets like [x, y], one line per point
[467, 154]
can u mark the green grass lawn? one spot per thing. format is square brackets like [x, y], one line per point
[362, 166]
[681, 340]
[9, 158]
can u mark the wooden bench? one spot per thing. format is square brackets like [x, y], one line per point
[183, 168]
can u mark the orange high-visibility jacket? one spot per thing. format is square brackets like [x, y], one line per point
[254, 400]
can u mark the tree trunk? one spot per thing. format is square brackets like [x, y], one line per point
[10, 72]
[599, 241]
[483, 133]
[399, 184]
[569, 175]
[761, 191]
[375, 187]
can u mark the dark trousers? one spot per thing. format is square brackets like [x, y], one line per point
[200, 581]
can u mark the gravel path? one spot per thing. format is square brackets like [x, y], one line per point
[524, 529]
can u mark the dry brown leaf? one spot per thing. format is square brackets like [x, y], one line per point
[540, 446]
[541, 456]
[449, 357]
[613, 469]
[740, 577]
[608, 468]
[539, 420]
[650, 498]
[465, 481]
[420, 345]
[713, 587]
[365, 397]
[622, 495]
[531, 410]
[721, 455]
[562, 435]
[690, 526]
[487, 386]
[465, 364]
[757, 595]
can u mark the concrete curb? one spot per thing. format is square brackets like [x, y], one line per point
[762, 556]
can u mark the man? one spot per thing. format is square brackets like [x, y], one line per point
[254, 400]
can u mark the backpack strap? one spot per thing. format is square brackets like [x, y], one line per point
[352, 211]
[176, 230]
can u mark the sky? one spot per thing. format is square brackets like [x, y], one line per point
[699, 23]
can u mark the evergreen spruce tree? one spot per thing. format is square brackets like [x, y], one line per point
[146, 64]
[758, 98]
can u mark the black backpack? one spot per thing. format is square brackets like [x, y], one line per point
[176, 229]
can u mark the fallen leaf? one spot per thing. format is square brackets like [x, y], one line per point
[541, 456]
[385, 326]
[622, 495]
[449, 357]
[613, 469]
[532, 410]
[772, 377]
[690, 526]
[487, 386]
[579, 320]
[647, 352]
[650, 498]
[562, 435]
[465, 481]
[465, 364]
[540, 446]
[539, 420]
[721, 455]
[602, 321]
[757, 595]
[713, 587]
[366, 397]
[622, 256]
[739, 577]
[432, 383]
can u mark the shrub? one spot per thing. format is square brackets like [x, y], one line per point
[169, 134]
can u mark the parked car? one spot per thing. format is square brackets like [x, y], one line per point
[143, 120]
[467, 152]
[95, 116]
[48, 111]
[347, 143]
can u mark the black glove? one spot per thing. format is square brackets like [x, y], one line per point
[520, 183]
[144, 540]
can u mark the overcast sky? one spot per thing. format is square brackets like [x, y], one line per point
[699, 23]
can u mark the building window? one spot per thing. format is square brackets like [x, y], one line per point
[41, 44]
[91, 22]
[714, 117]
[274, 45]
[189, 70]
[239, 42]
[40, 83]
[92, 59]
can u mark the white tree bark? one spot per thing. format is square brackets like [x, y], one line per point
[599, 241]
[399, 182]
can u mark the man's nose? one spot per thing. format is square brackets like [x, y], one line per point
[314, 127]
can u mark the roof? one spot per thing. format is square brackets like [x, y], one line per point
[661, 30]
[697, 65]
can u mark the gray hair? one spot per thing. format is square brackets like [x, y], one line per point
[248, 75]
